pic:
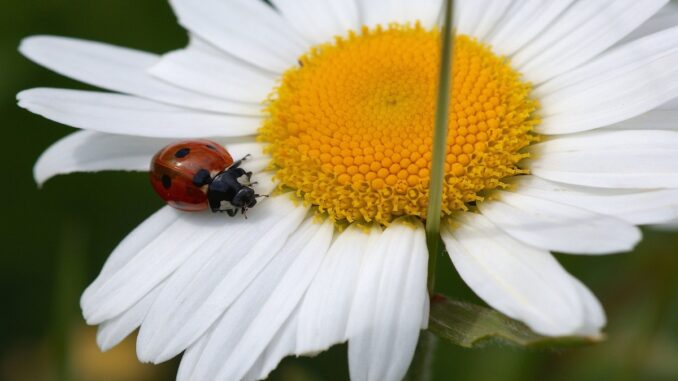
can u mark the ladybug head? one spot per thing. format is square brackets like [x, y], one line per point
[244, 198]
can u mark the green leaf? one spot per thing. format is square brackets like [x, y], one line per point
[470, 325]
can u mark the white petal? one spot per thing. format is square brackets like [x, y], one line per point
[250, 30]
[91, 151]
[585, 30]
[622, 59]
[477, 18]
[594, 314]
[152, 265]
[387, 314]
[281, 346]
[666, 18]
[119, 69]
[658, 119]
[126, 250]
[324, 311]
[134, 242]
[199, 68]
[319, 21]
[553, 226]
[233, 328]
[190, 358]
[280, 304]
[614, 159]
[636, 206]
[128, 115]
[624, 83]
[154, 259]
[524, 283]
[214, 277]
[384, 12]
[525, 21]
[111, 332]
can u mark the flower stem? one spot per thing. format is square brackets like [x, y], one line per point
[435, 247]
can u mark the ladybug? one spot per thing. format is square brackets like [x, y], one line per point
[194, 175]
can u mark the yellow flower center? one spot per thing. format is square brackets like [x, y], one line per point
[351, 129]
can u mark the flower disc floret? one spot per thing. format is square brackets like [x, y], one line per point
[350, 129]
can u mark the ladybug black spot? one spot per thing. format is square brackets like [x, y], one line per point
[182, 153]
[213, 148]
[202, 177]
[166, 181]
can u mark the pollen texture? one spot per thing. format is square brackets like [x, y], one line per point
[351, 128]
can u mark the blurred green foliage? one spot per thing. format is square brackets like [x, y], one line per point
[56, 239]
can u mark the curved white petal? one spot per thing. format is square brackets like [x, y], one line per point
[279, 347]
[622, 84]
[190, 358]
[524, 283]
[324, 311]
[127, 249]
[594, 313]
[477, 18]
[550, 225]
[91, 151]
[148, 260]
[243, 331]
[275, 311]
[282, 344]
[387, 313]
[587, 28]
[657, 119]
[384, 12]
[129, 115]
[119, 69]
[609, 159]
[250, 30]
[201, 68]
[319, 21]
[622, 59]
[635, 206]
[524, 21]
[666, 18]
[111, 332]
[205, 286]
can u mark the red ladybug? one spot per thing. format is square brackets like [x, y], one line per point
[193, 175]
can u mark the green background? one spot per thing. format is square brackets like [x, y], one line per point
[54, 241]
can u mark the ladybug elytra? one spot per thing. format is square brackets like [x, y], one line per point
[194, 175]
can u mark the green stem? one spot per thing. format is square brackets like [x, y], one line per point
[435, 247]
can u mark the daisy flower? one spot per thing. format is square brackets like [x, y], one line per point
[562, 137]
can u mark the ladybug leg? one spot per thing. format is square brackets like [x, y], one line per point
[248, 176]
[243, 177]
[236, 164]
[232, 212]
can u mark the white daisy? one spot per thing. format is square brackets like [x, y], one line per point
[586, 96]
